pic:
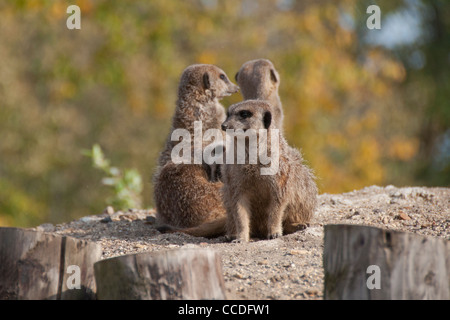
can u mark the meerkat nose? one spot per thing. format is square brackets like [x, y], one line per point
[224, 127]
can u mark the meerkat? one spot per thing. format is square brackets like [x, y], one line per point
[201, 88]
[266, 206]
[184, 194]
[257, 205]
[258, 79]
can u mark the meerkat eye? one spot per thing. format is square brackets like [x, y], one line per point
[245, 114]
[222, 76]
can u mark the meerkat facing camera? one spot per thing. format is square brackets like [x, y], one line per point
[266, 206]
[258, 79]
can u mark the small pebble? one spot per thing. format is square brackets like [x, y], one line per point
[150, 219]
[109, 210]
[403, 216]
[106, 219]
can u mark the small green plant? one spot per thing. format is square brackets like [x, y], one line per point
[127, 186]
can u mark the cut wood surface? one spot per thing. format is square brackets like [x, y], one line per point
[168, 275]
[409, 266]
[33, 265]
[84, 254]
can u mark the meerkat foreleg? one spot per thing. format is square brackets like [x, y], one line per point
[275, 220]
[241, 218]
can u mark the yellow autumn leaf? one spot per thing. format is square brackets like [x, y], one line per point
[403, 149]
[207, 57]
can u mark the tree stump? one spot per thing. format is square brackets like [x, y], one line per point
[186, 274]
[33, 265]
[368, 263]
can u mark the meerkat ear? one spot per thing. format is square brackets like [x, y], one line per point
[267, 119]
[206, 83]
[236, 76]
[273, 76]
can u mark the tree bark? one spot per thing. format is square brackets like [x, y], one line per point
[33, 265]
[408, 266]
[187, 274]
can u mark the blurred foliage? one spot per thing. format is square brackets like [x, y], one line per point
[127, 186]
[362, 113]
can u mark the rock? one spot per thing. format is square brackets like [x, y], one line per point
[46, 227]
[312, 292]
[106, 219]
[116, 216]
[403, 216]
[150, 220]
[109, 210]
[90, 219]
[295, 252]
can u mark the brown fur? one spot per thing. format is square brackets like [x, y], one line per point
[197, 103]
[263, 206]
[258, 79]
[183, 193]
[266, 206]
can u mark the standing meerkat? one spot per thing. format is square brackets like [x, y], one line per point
[265, 206]
[261, 205]
[200, 89]
[259, 80]
[183, 193]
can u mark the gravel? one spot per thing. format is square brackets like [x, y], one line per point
[289, 267]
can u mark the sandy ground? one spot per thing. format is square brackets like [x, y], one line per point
[289, 267]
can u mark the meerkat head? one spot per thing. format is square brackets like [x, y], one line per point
[258, 79]
[206, 80]
[249, 114]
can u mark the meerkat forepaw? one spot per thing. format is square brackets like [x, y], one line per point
[274, 235]
[229, 237]
[301, 226]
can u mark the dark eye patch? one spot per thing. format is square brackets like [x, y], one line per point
[222, 76]
[273, 77]
[245, 114]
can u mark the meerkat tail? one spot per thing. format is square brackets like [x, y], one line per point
[165, 228]
[212, 229]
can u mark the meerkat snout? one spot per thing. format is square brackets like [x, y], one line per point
[232, 88]
[218, 81]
